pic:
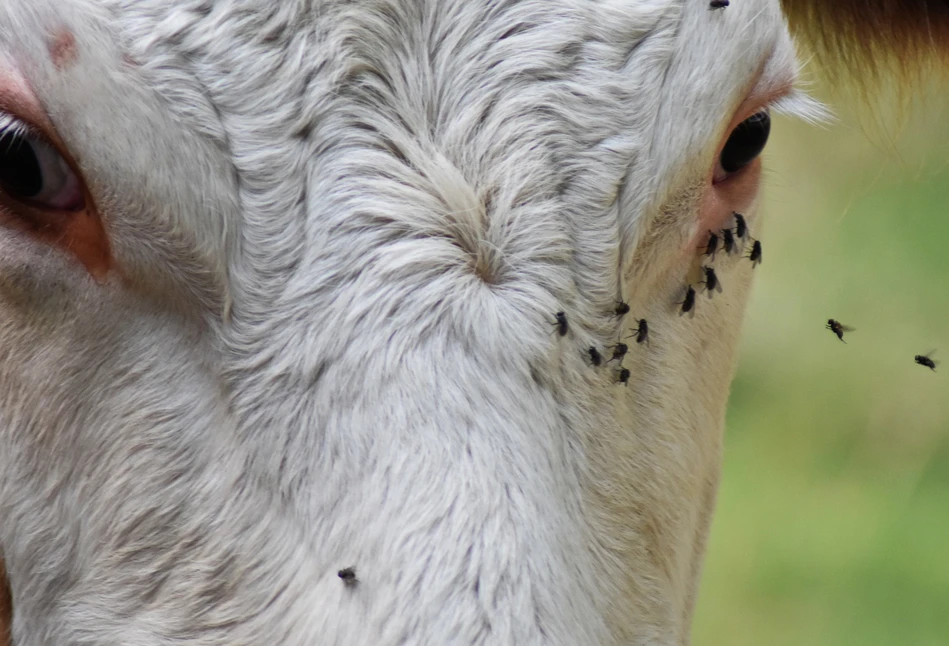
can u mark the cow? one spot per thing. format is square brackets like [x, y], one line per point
[298, 298]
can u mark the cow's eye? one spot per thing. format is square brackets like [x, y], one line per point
[746, 142]
[34, 173]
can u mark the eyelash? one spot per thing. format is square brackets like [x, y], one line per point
[15, 127]
[800, 105]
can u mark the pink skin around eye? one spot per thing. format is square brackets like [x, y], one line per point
[736, 193]
[75, 227]
[722, 199]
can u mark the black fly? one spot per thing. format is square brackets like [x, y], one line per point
[711, 281]
[623, 377]
[348, 575]
[728, 241]
[622, 309]
[741, 227]
[595, 357]
[755, 255]
[619, 351]
[689, 301]
[926, 360]
[642, 331]
[712, 245]
[838, 328]
[561, 324]
[718, 4]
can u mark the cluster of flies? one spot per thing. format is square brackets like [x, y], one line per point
[617, 351]
[839, 329]
[729, 240]
[833, 325]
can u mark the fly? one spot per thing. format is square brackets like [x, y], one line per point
[838, 328]
[595, 357]
[689, 301]
[712, 245]
[728, 241]
[926, 360]
[642, 331]
[741, 227]
[755, 255]
[711, 282]
[561, 323]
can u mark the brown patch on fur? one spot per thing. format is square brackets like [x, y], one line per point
[6, 606]
[868, 40]
[63, 49]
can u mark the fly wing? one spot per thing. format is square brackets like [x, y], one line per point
[847, 328]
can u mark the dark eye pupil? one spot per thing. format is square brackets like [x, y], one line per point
[746, 142]
[20, 173]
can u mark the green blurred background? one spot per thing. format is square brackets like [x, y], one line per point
[833, 516]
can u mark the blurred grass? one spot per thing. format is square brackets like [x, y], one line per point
[833, 517]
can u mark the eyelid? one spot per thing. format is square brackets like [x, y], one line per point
[757, 102]
[17, 97]
[777, 86]
[20, 108]
[9, 124]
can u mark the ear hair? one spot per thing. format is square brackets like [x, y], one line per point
[866, 38]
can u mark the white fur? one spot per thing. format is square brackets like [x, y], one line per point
[343, 230]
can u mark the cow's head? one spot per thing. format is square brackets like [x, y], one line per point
[279, 296]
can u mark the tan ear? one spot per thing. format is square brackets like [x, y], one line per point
[6, 607]
[872, 38]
